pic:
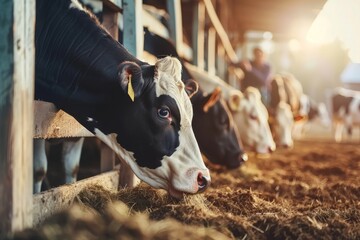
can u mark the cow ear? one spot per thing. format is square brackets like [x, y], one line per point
[131, 80]
[211, 99]
[234, 101]
[191, 87]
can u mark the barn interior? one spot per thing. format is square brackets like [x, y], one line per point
[316, 58]
[308, 191]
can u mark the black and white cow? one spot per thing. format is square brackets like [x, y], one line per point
[345, 111]
[213, 124]
[249, 113]
[292, 109]
[141, 111]
[310, 112]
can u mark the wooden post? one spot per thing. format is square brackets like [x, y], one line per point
[221, 31]
[198, 34]
[17, 20]
[175, 23]
[133, 28]
[107, 156]
[220, 61]
[110, 21]
[211, 50]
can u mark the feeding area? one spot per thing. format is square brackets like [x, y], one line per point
[177, 119]
[308, 192]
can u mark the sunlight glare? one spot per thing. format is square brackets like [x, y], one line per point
[338, 19]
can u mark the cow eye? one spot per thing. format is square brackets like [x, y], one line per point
[164, 112]
[253, 117]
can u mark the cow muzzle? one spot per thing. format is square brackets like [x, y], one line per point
[203, 182]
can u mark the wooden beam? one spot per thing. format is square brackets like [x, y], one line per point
[198, 34]
[280, 5]
[17, 21]
[133, 28]
[221, 65]
[175, 23]
[220, 31]
[114, 5]
[51, 122]
[211, 50]
[107, 158]
[110, 20]
[49, 202]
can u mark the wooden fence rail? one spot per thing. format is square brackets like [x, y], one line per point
[17, 111]
[17, 20]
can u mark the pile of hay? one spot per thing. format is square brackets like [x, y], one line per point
[304, 193]
[101, 216]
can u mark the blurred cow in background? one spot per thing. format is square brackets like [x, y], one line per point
[292, 109]
[281, 115]
[312, 112]
[345, 111]
[249, 112]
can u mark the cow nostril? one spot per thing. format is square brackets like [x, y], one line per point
[287, 146]
[203, 182]
[270, 150]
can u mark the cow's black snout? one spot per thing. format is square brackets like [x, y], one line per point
[203, 182]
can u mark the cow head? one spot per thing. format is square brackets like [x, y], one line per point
[215, 130]
[154, 135]
[251, 117]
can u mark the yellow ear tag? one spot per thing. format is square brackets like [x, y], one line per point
[130, 89]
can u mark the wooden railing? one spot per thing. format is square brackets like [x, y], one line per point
[18, 207]
[217, 52]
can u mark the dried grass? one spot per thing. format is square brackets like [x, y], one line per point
[304, 193]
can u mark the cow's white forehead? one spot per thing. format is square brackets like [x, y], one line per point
[76, 4]
[168, 82]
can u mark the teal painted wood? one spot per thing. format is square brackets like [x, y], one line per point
[17, 21]
[175, 23]
[6, 94]
[133, 28]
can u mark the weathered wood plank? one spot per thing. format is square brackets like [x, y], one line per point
[175, 24]
[107, 158]
[211, 51]
[221, 66]
[49, 202]
[110, 20]
[114, 5]
[51, 122]
[133, 28]
[221, 31]
[199, 35]
[17, 21]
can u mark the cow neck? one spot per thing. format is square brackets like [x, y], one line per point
[76, 59]
[74, 52]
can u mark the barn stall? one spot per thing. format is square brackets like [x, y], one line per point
[310, 191]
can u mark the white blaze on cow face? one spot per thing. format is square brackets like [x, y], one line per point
[76, 4]
[251, 117]
[179, 172]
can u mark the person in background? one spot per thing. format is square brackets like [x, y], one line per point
[257, 73]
